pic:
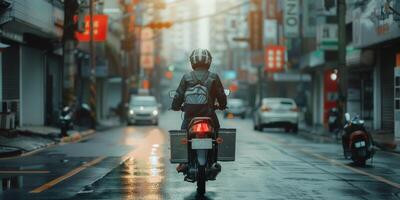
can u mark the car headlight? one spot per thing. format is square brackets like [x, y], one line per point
[131, 112]
[155, 112]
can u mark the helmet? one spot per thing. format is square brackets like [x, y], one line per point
[200, 58]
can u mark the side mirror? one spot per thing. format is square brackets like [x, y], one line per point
[227, 92]
[347, 117]
[172, 93]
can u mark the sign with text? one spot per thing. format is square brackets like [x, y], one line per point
[327, 36]
[270, 32]
[99, 29]
[255, 30]
[274, 58]
[272, 9]
[291, 18]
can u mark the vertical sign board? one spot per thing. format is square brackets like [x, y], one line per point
[397, 97]
[309, 11]
[327, 36]
[272, 9]
[255, 23]
[270, 32]
[291, 18]
[147, 49]
[274, 58]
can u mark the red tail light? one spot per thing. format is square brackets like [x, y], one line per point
[201, 129]
[265, 109]
[295, 109]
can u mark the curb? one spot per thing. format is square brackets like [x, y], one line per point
[77, 136]
[11, 153]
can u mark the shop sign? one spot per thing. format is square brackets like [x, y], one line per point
[309, 10]
[327, 36]
[274, 58]
[270, 32]
[272, 8]
[291, 18]
[99, 29]
[372, 24]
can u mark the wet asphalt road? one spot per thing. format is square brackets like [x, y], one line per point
[132, 163]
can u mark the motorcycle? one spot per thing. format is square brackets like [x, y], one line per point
[75, 115]
[333, 122]
[198, 149]
[66, 120]
[357, 142]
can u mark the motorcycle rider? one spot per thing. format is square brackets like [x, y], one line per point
[200, 60]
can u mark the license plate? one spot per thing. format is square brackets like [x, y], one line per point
[202, 143]
[360, 144]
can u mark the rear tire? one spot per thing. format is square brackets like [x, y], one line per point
[360, 162]
[201, 182]
[295, 129]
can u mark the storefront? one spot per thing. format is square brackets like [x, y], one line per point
[378, 31]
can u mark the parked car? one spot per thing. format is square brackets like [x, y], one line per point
[236, 107]
[277, 113]
[143, 109]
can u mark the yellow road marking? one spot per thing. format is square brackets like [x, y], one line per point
[66, 176]
[340, 164]
[24, 172]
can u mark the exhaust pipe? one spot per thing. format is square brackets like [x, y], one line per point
[214, 170]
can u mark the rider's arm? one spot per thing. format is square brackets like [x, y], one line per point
[221, 97]
[179, 96]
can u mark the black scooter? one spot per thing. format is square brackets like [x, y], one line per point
[357, 142]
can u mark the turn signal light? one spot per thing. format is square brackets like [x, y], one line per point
[265, 109]
[295, 109]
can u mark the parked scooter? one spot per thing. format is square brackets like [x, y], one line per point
[357, 142]
[74, 115]
[333, 122]
[66, 120]
[198, 149]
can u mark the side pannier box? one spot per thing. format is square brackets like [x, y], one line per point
[227, 149]
[179, 151]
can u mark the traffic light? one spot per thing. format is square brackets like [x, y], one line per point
[160, 25]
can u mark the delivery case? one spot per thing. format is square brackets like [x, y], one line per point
[179, 150]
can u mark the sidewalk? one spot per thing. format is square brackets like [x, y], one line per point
[31, 138]
[384, 140]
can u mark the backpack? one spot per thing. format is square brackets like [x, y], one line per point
[198, 94]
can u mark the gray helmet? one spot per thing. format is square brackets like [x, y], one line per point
[200, 58]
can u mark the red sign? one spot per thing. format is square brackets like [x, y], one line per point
[331, 89]
[274, 58]
[99, 29]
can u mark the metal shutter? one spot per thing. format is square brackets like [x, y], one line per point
[387, 87]
[11, 73]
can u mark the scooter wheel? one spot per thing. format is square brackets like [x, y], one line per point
[201, 182]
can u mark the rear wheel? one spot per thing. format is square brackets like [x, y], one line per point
[360, 162]
[295, 128]
[201, 181]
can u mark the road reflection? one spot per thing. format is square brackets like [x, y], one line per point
[143, 172]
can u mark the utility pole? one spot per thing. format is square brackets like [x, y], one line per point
[69, 43]
[341, 13]
[92, 99]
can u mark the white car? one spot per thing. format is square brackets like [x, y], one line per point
[143, 109]
[277, 113]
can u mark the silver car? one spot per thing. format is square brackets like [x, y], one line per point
[236, 107]
[277, 112]
[143, 109]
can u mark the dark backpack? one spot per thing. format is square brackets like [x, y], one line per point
[198, 94]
